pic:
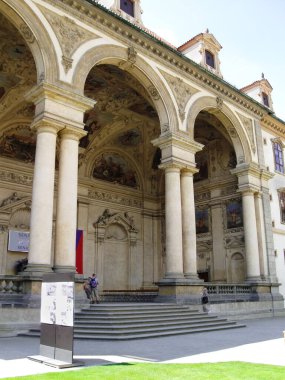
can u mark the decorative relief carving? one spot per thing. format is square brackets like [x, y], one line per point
[232, 132]
[229, 190]
[234, 241]
[164, 128]
[202, 196]
[11, 199]
[219, 102]
[114, 226]
[247, 123]
[69, 34]
[115, 198]
[27, 33]
[153, 92]
[16, 178]
[66, 63]
[131, 59]
[181, 91]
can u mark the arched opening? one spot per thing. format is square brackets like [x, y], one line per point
[119, 171]
[219, 223]
[18, 74]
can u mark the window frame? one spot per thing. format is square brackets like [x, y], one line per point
[278, 155]
[130, 2]
[281, 199]
[212, 57]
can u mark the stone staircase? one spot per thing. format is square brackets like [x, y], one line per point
[136, 321]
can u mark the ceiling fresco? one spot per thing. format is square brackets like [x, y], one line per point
[116, 93]
[17, 76]
[123, 118]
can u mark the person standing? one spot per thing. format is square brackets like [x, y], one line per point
[205, 300]
[93, 282]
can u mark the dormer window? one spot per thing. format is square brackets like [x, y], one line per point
[265, 99]
[210, 59]
[127, 6]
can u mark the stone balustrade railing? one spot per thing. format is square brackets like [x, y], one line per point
[230, 289]
[11, 285]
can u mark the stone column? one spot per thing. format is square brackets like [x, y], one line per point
[261, 236]
[173, 222]
[250, 236]
[66, 218]
[219, 255]
[39, 258]
[188, 225]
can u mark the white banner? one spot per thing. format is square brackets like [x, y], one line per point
[19, 241]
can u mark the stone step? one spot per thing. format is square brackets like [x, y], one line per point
[112, 320]
[132, 321]
[129, 329]
[156, 333]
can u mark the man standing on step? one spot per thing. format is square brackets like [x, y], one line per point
[93, 282]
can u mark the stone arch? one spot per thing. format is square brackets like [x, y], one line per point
[237, 268]
[35, 35]
[124, 155]
[229, 120]
[140, 69]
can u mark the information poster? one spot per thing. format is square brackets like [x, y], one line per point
[19, 241]
[57, 303]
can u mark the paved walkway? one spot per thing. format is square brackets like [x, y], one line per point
[260, 342]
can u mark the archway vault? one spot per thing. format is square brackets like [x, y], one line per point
[230, 122]
[129, 60]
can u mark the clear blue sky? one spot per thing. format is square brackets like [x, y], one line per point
[252, 33]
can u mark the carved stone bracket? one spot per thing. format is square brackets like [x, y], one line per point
[131, 59]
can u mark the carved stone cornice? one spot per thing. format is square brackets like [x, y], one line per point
[109, 22]
[277, 126]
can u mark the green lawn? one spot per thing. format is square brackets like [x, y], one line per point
[208, 371]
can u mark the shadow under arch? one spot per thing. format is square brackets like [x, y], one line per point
[140, 69]
[36, 37]
[228, 119]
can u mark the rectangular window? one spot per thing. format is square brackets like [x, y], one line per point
[265, 99]
[210, 60]
[278, 157]
[128, 7]
[282, 205]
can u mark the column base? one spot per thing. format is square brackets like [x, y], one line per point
[36, 270]
[173, 275]
[192, 277]
[254, 280]
[180, 291]
[64, 269]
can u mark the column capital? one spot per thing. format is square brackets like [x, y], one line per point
[177, 147]
[58, 104]
[189, 170]
[72, 133]
[45, 125]
[248, 189]
[171, 166]
[50, 91]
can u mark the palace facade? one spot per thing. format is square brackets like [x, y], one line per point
[169, 176]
